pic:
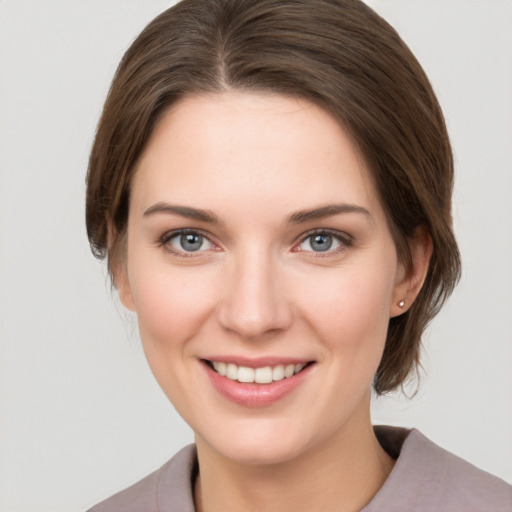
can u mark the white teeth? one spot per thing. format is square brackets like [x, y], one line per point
[264, 375]
[289, 369]
[221, 368]
[278, 372]
[245, 374]
[232, 371]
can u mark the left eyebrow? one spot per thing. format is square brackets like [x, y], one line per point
[183, 211]
[326, 211]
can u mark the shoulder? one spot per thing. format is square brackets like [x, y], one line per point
[427, 477]
[169, 486]
[455, 482]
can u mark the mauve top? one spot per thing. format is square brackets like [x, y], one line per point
[425, 478]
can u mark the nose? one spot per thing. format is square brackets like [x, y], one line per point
[254, 304]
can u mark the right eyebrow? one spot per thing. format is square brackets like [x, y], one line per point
[326, 211]
[183, 211]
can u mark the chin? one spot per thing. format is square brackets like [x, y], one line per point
[258, 454]
[260, 444]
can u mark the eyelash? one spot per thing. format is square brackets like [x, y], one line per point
[344, 239]
[167, 237]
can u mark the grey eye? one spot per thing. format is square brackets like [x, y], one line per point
[320, 242]
[189, 242]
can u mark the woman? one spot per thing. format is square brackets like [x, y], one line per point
[271, 185]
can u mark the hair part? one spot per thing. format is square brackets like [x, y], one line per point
[338, 54]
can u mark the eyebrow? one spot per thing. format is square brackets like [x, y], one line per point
[326, 211]
[183, 211]
[298, 217]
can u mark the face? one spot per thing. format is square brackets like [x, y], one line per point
[262, 271]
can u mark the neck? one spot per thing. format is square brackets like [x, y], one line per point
[342, 474]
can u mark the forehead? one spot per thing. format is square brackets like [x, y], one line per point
[221, 149]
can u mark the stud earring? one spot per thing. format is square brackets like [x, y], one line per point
[401, 304]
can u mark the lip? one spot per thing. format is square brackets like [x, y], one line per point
[252, 394]
[257, 362]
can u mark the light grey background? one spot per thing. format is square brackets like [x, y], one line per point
[80, 415]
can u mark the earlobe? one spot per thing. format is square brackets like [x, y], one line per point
[117, 267]
[123, 287]
[409, 283]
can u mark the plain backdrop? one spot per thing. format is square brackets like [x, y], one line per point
[80, 415]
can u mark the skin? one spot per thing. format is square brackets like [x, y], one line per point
[256, 287]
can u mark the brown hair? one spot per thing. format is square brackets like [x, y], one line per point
[338, 54]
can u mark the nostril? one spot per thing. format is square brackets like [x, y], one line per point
[254, 322]
[253, 304]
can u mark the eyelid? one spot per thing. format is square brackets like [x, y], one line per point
[346, 240]
[164, 240]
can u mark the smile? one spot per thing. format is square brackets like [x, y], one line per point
[263, 375]
[254, 383]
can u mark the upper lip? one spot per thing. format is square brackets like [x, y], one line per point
[257, 362]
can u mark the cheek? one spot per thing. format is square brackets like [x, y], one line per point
[349, 308]
[170, 304]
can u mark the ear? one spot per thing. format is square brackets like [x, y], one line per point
[118, 267]
[408, 283]
[122, 284]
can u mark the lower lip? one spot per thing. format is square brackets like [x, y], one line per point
[252, 394]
